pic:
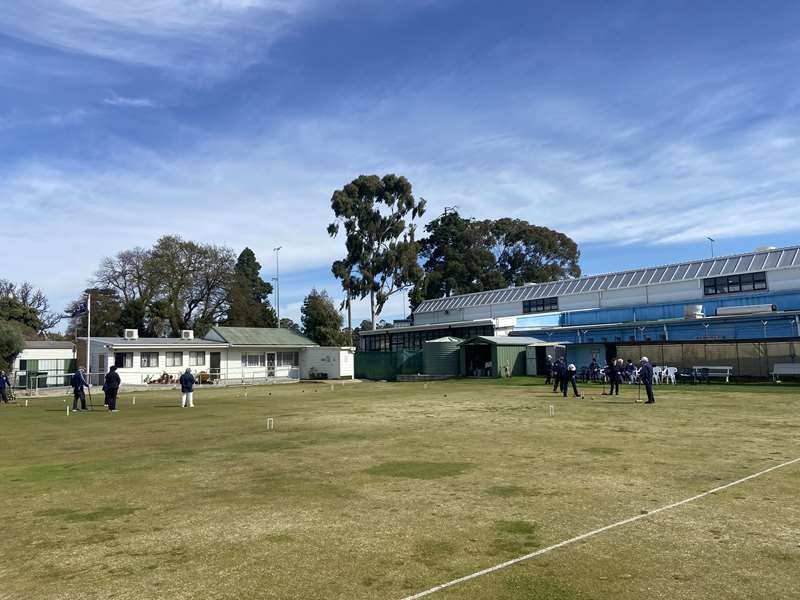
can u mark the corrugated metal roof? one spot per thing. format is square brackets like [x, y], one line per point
[767, 260]
[506, 340]
[151, 342]
[445, 339]
[261, 336]
[48, 344]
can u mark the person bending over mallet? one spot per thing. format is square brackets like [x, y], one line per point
[187, 387]
[570, 376]
[78, 383]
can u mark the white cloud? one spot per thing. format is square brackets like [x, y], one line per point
[114, 100]
[209, 36]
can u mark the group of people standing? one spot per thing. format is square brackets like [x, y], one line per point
[111, 384]
[563, 375]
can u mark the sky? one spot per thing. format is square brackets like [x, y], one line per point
[637, 128]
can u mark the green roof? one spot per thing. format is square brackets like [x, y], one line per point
[504, 340]
[260, 336]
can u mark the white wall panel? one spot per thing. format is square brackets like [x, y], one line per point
[784, 280]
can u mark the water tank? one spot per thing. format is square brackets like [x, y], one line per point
[442, 357]
[693, 311]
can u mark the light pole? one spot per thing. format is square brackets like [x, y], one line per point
[710, 239]
[277, 280]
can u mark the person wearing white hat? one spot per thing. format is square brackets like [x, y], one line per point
[572, 376]
[646, 377]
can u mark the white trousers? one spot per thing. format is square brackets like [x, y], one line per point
[186, 399]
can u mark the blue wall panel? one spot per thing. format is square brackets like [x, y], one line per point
[658, 312]
[741, 328]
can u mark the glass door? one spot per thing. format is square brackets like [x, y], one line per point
[270, 364]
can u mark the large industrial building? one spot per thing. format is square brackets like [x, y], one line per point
[741, 311]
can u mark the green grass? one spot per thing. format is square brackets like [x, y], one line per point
[382, 490]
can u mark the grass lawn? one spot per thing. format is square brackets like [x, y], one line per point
[381, 490]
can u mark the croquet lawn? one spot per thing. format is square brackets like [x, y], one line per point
[384, 490]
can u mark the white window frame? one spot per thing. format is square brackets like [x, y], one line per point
[294, 359]
[149, 357]
[171, 356]
[197, 358]
[254, 360]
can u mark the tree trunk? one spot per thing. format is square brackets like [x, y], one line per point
[372, 310]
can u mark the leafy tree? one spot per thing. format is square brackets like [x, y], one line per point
[381, 254]
[177, 284]
[287, 323]
[530, 253]
[458, 259]
[248, 299]
[133, 315]
[322, 323]
[27, 305]
[194, 281]
[11, 343]
[106, 311]
[464, 256]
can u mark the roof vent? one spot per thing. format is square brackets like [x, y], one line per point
[131, 334]
[187, 334]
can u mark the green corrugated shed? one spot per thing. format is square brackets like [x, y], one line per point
[387, 365]
[506, 353]
[442, 357]
[259, 336]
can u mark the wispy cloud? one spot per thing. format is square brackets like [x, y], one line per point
[114, 100]
[180, 35]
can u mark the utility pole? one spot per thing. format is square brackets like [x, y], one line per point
[277, 280]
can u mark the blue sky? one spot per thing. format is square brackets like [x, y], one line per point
[637, 128]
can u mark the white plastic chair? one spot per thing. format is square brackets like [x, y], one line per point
[670, 375]
[657, 374]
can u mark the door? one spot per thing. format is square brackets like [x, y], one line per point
[214, 365]
[270, 364]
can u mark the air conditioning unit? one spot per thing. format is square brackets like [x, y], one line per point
[187, 334]
[131, 334]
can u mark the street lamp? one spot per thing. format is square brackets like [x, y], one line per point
[712, 240]
[277, 280]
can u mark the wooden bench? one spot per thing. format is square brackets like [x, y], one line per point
[785, 369]
[715, 371]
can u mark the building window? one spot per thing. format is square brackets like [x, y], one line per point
[197, 359]
[149, 359]
[732, 284]
[254, 360]
[174, 359]
[123, 360]
[288, 359]
[540, 305]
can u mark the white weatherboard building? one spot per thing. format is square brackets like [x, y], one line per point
[225, 354]
[43, 364]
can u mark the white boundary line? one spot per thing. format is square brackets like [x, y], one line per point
[594, 532]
